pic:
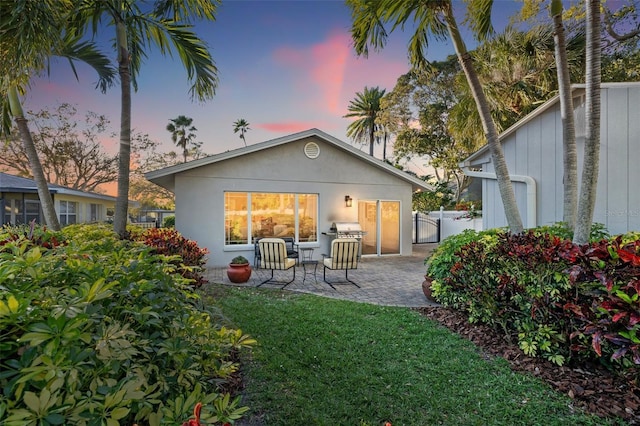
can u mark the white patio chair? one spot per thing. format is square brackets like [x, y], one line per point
[273, 256]
[344, 255]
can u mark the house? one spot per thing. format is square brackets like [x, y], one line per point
[294, 186]
[19, 203]
[533, 149]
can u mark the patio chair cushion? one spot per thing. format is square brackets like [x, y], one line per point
[344, 254]
[273, 254]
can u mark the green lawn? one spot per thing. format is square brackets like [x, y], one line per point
[321, 361]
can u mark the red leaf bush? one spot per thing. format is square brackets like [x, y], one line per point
[565, 302]
[607, 308]
[169, 242]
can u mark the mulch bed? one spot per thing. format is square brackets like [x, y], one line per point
[592, 388]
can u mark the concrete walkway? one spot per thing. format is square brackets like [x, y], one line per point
[388, 281]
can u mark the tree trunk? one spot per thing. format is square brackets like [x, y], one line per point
[500, 165]
[372, 139]
[384, 147]
[124, 156]
[591, 161]
[46, 201]
[570, 157]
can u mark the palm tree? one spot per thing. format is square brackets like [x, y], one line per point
[137, 27]
[366, 107]
[436, 18]
[587, 200]
[25, 48]
[241, 125]
[570, 151]
[182, 133]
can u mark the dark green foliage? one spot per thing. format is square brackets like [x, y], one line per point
[96, 331]
[169, 222]
[428, 201]
[239, 260]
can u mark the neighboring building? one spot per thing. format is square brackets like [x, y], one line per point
[533, 148]
[19, 203]
[294, 186]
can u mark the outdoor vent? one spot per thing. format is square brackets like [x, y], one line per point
[312, 150]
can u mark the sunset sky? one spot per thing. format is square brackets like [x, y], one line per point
[284, 66]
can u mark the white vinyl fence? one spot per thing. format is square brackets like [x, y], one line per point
[436, 226]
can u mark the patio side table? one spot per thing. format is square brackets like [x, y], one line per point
[308, 262]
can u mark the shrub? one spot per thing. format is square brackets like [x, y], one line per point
[169, 222]
[608, 276]
[97, 332]
[30, 235]
[185, 254]
[513, 283]
[560, 229]
[559, 300]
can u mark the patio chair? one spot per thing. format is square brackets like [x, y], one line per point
[273, 256]
[344, 255]
[292, 250]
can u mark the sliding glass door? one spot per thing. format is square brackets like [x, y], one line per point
[381, 221]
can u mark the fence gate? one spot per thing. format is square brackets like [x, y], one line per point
[425, 229]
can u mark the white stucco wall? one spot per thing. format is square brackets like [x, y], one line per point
[284, 168]
[535, 149]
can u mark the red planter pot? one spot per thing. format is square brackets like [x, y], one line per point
[426, 288]
[239, 273]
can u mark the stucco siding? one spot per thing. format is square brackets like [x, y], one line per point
[284, 168]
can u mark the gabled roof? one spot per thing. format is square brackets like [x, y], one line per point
[12, 183]
[164, 177]
[535, 113]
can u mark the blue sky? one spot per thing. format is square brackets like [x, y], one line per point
[284, 66]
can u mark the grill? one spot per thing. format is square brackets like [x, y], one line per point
[347, 230]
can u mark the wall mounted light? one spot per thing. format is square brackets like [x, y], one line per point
[348, 201]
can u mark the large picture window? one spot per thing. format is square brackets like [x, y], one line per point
[250, 215]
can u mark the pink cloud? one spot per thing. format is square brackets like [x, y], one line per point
[330, 60]
[331, 73]
[322, 65]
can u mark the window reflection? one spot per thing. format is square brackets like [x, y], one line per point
[270, 215]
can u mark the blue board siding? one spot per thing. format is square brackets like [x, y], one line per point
[536, 149]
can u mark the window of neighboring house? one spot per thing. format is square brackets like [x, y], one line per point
[32, 210]
[110, 214]
[94, 212]
[68, 212]
[13, 211]
[258, 214]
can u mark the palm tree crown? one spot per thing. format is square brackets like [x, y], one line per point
[366, 107]
[241, 125]
[25, 48]
[139, 26]
[182, 133]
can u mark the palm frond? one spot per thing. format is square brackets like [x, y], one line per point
[192, 51]
[73, 48]
[181, 10]
[367, 27]
[479, 18]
